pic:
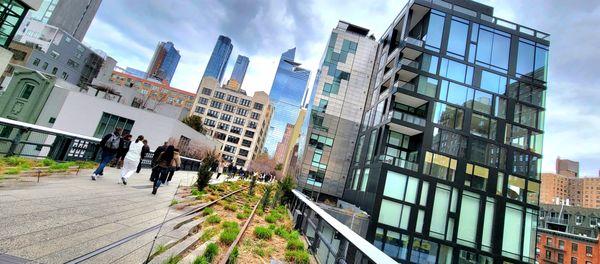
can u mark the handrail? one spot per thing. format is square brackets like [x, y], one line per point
[368, 249]
[38, 128]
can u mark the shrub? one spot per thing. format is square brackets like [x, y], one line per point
[270, 219]
[48, 162]
[293, 235]
[213, 219]
[231, 207]
[174, 202]
[197, 193]
[263, 233]
[234, 255]
[280, 231]
[294, 244]
[241, 216]
[297, 256]
[12, 171]
[230, 225]
[228, 236]
[200, 260]
[259, 251]
[272, 226]
[212, 250]
[160, 249]
[208, 211]
[172, 260]
[208, 234]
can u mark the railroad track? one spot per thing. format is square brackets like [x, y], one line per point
[237, 240]
[133, 236]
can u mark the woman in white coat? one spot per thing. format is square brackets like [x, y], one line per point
[132, 158]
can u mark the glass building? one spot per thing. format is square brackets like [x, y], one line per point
[12, 13]
[336, 107]
[239, 72]
[218, 59]
[164, 62]
[448, 157]
[287, 94]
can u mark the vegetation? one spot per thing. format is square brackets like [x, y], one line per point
[208, 211]
[208, 234]
[264, 203]
[172, 260]
[16, 165]
[211, 159]
[174, 202]
[241, 216]
[294, 244]
[212, 250]
[231, 207]
[285, 186]
[200, 260]
[160, 249]
[234, 255]
[213, 219]
[230, 233]
[262, 232]
[195, 122]
[297, 256]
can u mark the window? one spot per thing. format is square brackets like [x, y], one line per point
[242, 111]
[212, 113]
[435, 30]
[236, 130]
[249, 134]
[258, 106]
[65, 75]
[448, 116]
[487, 153]
[318, 141]
[439, 166]
[483, 126]
[493, 82]
[573, 260]
[493, 48]
[54, 70]
[588, 251]
[239, 121]
[54, 54]
[206, 91]
[574, 247]
[427, 86]
[209, 122]
[423, 251]
[216, 104]
[255, 115]
[27, 91]
[229, 148]
[476, 176]
[513, 222]
[233, 139]
[429, 63]
[457, 39]
[45, 66]
[561, 244]
[108, 123]
[252, 125]
[245, 102]
[232, 99]
[394, 214]
[243, 153]
[469, 216]
[71, 63]
[548, 254]
[448, 142]
[532, 59]
[456, 71]
[315, 178]
[372, 140]
[219, 95]
[219, 135]
[36, 62]
[246, 143]
[228, 108]
[226, 117]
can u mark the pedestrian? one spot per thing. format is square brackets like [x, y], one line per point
[155, 169]
[122, 151]
[175, 165]
[145, 151]
[219, 169]
[132, 159]
[109, 144]
[163, 162]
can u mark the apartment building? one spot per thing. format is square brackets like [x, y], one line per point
[568, 185]
[237, 120]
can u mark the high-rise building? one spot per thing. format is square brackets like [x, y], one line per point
[567, 167]
[164, 62]
[239, 72]
[448, 157]
[566, 186]
[287, 93]
[218, 59]
[337, 103]
[72, 16]
[237, 120]
[12, 13]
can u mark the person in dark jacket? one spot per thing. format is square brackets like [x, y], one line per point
[110, 144]
[123, 149]
[145, 151]
[164, 162]
[155, 169]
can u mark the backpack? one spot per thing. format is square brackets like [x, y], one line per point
[113, 142]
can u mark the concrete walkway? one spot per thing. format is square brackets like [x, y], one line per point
[63, 217]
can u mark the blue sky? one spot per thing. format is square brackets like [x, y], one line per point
[262, 30]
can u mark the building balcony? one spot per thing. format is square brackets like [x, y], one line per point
[407, 69]
[400, 85]
[407, 117]
[398, 162]
[411, 48]
[554, 247]
[556, 220]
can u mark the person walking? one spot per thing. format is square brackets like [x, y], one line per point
[132, 159]
[155, 169]
[109, 144]
[145, 151]
[122, 151]
[175, 165]
[163, 162]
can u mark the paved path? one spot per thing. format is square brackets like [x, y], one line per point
[64, 217]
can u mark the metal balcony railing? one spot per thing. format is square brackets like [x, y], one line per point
[408, 63]
[405, 86]
[330, 240]
[406, 117]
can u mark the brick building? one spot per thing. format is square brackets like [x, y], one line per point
[566, 183]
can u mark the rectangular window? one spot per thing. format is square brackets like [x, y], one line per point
[219, 95]
[457, 39]
[448, 116]
[365, 180]
[476, 176]
[513, 222]
[429, 63]
[372, 140]
[487, 153]
[108, 123]
[255, 115]
[448, 142]
[206, 91]
[492, 82]
[258, 106]
[427, 86]
[27, 91]
[228, 108]
[456, 71]
[493, 48]
[483, 126]
[242, 112]
[532, 60]
[468, 220]
[315, 178]
[245, 102]
[216, 104]
[212, 113]
[232, 99]
[439, 166]
[203, 101]
[435, 30]
[225, 117]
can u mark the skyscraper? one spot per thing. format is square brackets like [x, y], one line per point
[239, 72]
[218, 59]
[287, 93]
[73, 16]
[337, 103]
[164, 62]
[448, 156]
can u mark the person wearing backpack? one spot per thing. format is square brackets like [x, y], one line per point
[110, 144]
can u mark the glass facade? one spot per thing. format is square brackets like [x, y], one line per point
[287, 93]
[11, 15]
[449, 155]
[164, 62]
[218, 59]
[239, 70]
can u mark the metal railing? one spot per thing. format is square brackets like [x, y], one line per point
[406, 117]
[330, 240]
[405, 86]
[408, 62]
[29, 140]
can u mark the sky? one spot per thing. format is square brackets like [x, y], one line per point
[263, 29]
